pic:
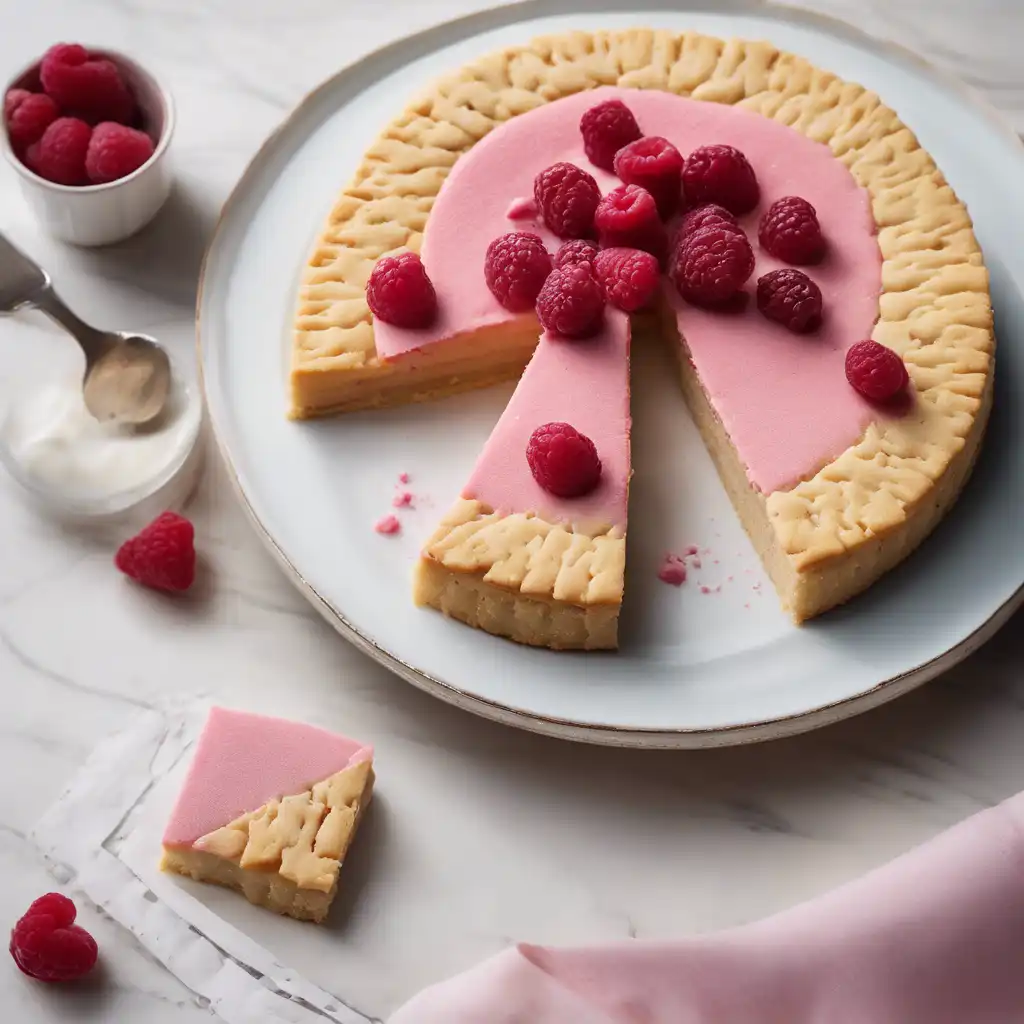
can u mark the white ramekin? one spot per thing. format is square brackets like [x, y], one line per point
[93, 215]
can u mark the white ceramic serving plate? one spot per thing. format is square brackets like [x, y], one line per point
[695, 669]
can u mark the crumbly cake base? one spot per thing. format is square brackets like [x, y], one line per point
[287, 855]
[523, 578]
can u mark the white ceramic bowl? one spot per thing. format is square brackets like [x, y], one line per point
[93, 215]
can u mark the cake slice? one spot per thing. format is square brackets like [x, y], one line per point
[511, 557]
[269, 808]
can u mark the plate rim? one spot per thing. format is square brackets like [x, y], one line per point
[686, 737]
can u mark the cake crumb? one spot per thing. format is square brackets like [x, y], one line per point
[388, 525]
[404, 478]
[403, 499]
[673, 570]
[711, 590]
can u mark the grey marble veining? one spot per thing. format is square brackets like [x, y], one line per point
[739, 833]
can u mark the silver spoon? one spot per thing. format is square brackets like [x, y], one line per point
[127, 376]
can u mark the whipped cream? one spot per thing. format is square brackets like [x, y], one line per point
[61, 448]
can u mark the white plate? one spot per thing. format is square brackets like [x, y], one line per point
[695, 669]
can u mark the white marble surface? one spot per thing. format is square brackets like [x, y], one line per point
[589, 843]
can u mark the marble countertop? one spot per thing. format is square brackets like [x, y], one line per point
[676, 842]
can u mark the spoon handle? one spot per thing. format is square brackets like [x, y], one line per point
[21, 279]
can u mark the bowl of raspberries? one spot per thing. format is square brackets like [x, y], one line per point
[87, 132]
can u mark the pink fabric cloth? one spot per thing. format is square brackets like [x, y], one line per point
[935, 937]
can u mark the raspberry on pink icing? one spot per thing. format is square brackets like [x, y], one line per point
[243, 760]
[783, 433]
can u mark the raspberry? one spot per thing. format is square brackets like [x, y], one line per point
[790, 231]
[59, 155]
[88, 87]
[563, 461]
[711, 265]
[515, 268]
[400, 293]
[606, 128]
[571, 303]
[655, 164]
[791, 298]
[567, 198]
[628, 218]
[579, 250]
[115, 151]
[47, 945]
[875, 371]
[701, 216]
[28, 115]
[720, 174]
[162, 556]
[629, 277]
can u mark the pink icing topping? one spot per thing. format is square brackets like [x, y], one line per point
[244, 760]
[584, 383]
[783, 398]
[387, 525]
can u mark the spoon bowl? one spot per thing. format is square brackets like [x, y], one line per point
[129, 380]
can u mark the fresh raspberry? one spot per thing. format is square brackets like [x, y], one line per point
[702, 216]
[567, 198]
[162, 556]
[711, 265]
[606, 128]
[400, 293]
[875, 371]
[720, 174]
[790, 231]
[628, 218]
[579, 250]
[515, 268]
[47, 945]
[115, 151]
[28, 115]
[629, 277]
[88, 87]
[59, 155]
[791, 298]
[563, 461]
[571, 303]
[655, 164]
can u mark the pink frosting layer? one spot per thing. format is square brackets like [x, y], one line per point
[584, 383]
[783, 398]
[244, 760]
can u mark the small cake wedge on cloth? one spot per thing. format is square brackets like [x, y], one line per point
[270, 809]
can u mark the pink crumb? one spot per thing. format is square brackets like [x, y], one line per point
[403, 478]
[388, 525]
[711, 590]
[403, 499]
[691, 550]
[673, 571]
[523, 208]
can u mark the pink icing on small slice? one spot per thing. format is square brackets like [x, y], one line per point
[521, 209]
[388, 525]
[673, 571]
[244, 760]
[783, 398]
[584, 383]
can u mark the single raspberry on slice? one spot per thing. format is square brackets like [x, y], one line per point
[28, 117]
[47, 945]
[115, 151]
[515, 268]
[720, 174]
[628, 218]
[59, 155]
[400, 293]
[790, 231]
[606, 128]
[791, 298]
[712, 264]
[563, 461]
[161, 556]
[629, 277]
[875, 371]
[571, 303]
[567, 198]
[88, 87]
[579, 250]
[655, 164]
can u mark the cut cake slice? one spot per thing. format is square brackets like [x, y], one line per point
[269, 808]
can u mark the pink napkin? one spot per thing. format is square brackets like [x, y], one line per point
[935, 937]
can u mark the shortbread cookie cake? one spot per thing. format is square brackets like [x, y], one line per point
[270, 808]
[800, 252]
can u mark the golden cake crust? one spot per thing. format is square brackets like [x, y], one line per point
[934, 309]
